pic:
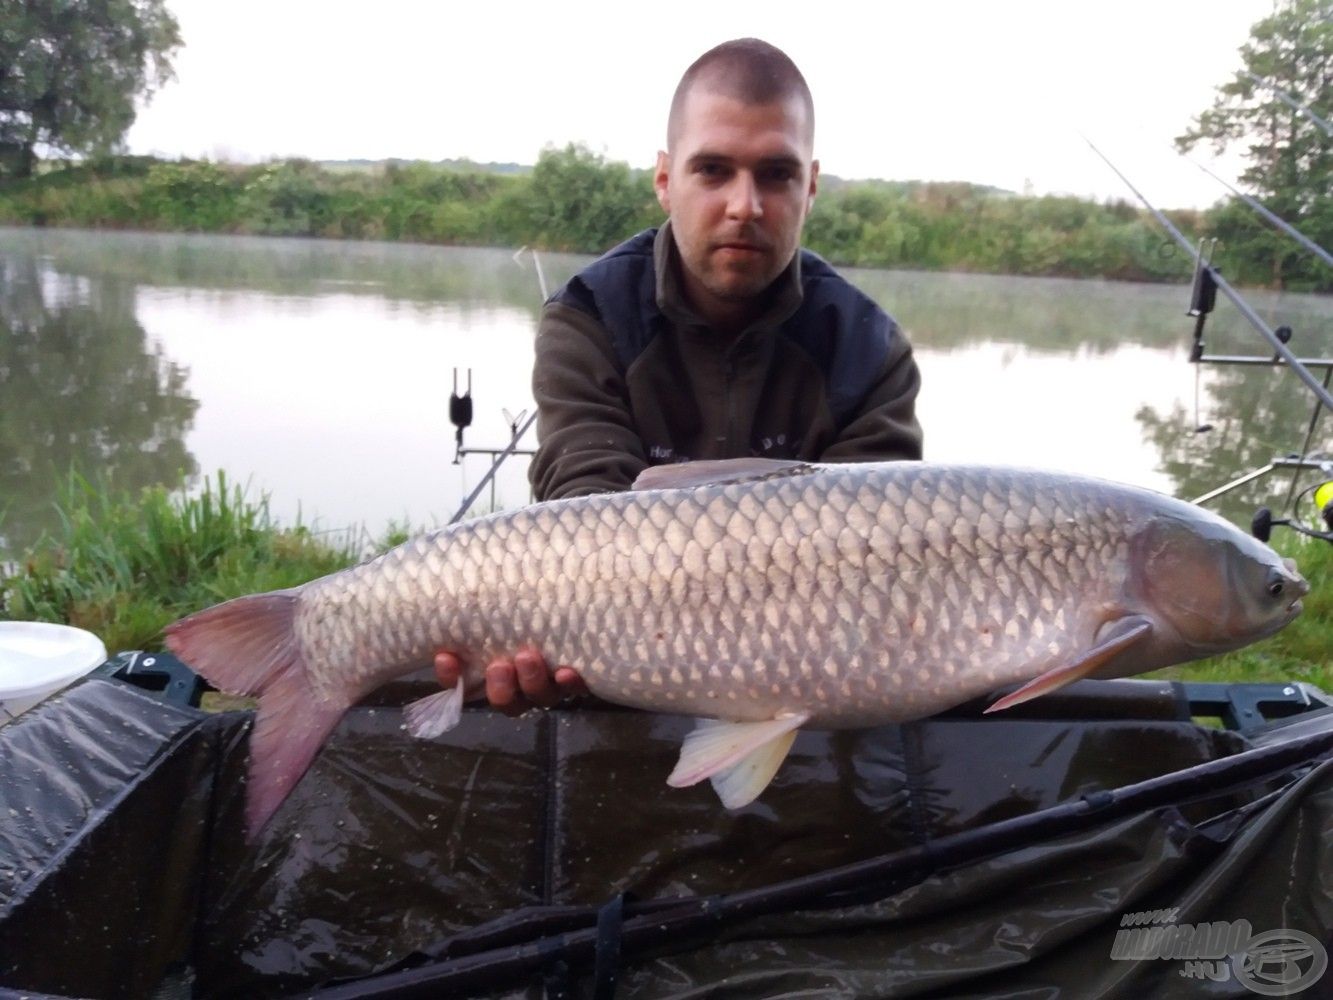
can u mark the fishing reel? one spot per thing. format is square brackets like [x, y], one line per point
[1261, 525]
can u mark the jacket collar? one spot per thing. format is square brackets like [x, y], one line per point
[786, 288]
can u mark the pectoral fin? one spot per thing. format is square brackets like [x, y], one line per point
[1115, 638]
[435, 714]
[740, 757]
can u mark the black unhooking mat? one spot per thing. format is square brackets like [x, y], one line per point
[958, 856]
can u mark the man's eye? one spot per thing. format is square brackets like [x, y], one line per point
[711, 169]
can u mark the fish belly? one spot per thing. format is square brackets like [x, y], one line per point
[858, 594]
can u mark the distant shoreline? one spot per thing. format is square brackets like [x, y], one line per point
[575, 201]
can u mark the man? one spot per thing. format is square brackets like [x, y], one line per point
[714, 336]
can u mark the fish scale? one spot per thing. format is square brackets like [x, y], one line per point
[762, 594]
[699, 574]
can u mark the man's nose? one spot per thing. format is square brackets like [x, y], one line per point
[743, 198]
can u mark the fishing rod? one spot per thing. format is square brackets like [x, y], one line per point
[1208, 281]
[595, 941]
[1286, 227]
[1263, 522]
[1291, 102]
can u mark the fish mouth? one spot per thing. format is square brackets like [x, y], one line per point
[1275, 625]
[1293, 612]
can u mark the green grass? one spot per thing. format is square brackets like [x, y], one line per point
[123, 566]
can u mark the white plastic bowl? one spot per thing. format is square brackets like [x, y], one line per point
[37, 659]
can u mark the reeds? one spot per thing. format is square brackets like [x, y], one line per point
[123, 566]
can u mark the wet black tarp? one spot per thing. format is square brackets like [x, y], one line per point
[123, 868]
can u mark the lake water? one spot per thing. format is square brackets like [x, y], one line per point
[319, 372]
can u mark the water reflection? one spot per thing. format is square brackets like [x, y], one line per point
[1063, 315]
[467, 277]
[322, 371]
[1252, 416]
[83, 391]
[1067, 315]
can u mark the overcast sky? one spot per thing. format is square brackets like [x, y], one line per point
[995, 93]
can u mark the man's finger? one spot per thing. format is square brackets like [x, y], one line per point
[448, 669]
[502, 688]
[569, 682]
[534, 678]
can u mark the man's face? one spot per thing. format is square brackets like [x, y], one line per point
[737, 185]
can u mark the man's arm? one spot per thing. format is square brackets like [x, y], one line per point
[587, 441]
[884, 426]
[587, 444]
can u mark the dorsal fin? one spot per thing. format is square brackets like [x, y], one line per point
[684, 475]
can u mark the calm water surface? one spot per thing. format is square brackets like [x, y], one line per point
[319, 372]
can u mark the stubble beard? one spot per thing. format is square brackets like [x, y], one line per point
[736, 285]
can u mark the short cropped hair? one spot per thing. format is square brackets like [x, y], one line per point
[748, 69]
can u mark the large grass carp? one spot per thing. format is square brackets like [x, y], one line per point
[760, 596]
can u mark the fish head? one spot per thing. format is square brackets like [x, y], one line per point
[1210, 586]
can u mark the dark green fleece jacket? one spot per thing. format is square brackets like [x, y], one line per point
[627, 375]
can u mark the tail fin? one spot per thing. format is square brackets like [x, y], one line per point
[248, 646]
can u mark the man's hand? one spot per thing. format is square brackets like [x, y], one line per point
[513, 685]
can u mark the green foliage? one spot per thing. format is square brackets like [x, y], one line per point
[575, 200]
[191, 196]
[1289, 155]
[430, 204]
[293, 198]
[71, 70]
[962, 227]
[578, 201]
[123, 565]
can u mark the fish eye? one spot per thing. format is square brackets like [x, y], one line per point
[1275, 588]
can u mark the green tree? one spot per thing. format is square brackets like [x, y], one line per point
[1289, 155]
[581, 202]
[71, 70]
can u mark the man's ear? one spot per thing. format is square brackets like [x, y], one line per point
[660, 178]
[814, 184]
